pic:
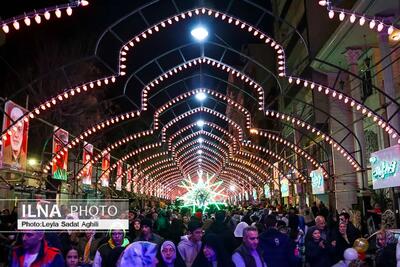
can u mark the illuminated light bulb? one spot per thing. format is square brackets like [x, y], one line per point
[27, 21]
[362, 21]
[5, 28]
[47, 15]
[342, 16]
[69, 11]
[352, 18]
[16, 25]
[390, 30]
[84, 2]
[372, 24]
[58, 13]
[322, 2]
[380, 27]
[38, 19]
[331, 14]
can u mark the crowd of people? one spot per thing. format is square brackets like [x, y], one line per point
[253, 237]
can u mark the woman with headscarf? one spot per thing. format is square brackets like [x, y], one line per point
[386, 249]
[168, 256]
[238, 233]
[213, 254]
[139, 254]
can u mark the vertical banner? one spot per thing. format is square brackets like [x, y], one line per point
[15, 147]
[60, 166]
[254, 194]
[105, 170]
[285, 187]
[87, 163]
[246, 195]
[267, 191]
[129, 179]
[135, 181]
[317, 182]
[118, 181]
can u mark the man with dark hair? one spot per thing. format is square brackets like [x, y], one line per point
[248, 254]
[35, 252]
[189, 248]
[274, 244]
[147, 233]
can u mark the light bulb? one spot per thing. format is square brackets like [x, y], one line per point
[69, 11]
[380, 27]
[362, 21]
[352, 18]
[5, 28]
[390, 30]
[38, 19]
[372, 24]
[16, 25]
[331, 14]
[341, 16]
[58, 13]
[47, 15]
[27, 21]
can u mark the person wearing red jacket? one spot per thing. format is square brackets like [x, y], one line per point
[35, 252]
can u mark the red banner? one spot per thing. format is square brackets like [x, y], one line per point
[88, 168]
[15, 148]
[60, 166]
[105, 170]
[128, 179]
[118, 181]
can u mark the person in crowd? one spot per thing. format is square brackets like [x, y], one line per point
[220, 228]
[185, 220]
[72, 257]
[248, 254]
[350, 255]
[213, 253]
[275, 245]
[147, 234]
[108, 253]
[385, 255]
[134, 229]
[314, 209]
[168, 256]
[340, 242]
[139, 254]
[189, 248]
[87, 246]
[162, 223]
[238, 233]
[176, 230]
[35, 252]
[320, 224]
[317, 250]
[308, 217]
[351, 231]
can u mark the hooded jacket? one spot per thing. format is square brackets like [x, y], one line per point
[189, 251]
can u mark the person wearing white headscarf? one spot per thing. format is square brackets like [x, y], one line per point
[139, 254]
[239, 229]
[168, 256]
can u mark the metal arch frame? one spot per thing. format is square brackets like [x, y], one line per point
[179, 151]
[245, 172]
[138, 10]
[181, 158]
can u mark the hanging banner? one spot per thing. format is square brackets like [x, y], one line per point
[87, 163]
[15, 147]
[385, 167]
[118, 181]
[285, 187]
[267, 191]
[254, 194]
[60, 166]
[246, 195]
[317, 182]
[129, 179]
[135, 181]
[105, 170]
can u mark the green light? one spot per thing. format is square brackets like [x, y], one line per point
[203, 193]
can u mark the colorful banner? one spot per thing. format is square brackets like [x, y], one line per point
[385, 167]
[128, 179]
[15, 147]
[60, 166]
[317, 182]
[254, 194]
[118, 181]
[105, 170]
[87, 163]
[285, 187]
[246, 195]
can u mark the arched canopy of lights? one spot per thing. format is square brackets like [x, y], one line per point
[179, 145]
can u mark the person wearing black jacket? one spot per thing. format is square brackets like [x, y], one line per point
[213, 253]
